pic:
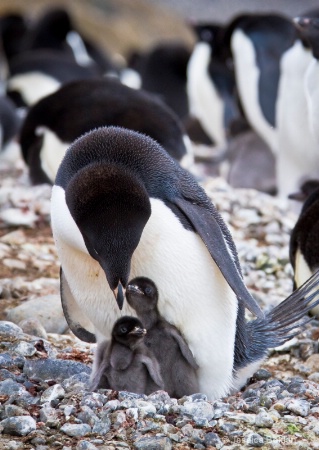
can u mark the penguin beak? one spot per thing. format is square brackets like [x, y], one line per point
[300, 196]
[119, 295]
[133, 289]
[137, 331]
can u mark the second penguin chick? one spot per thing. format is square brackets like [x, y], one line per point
[178, 366]
[125, 363]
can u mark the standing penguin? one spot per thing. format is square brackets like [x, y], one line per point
[122, 208]
[126, 364]
[304, 239]
[177, 364]
[297, 145]
[58, 119]
[258, 43]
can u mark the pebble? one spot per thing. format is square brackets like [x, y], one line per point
[18, 426]
[52, 393]
[264, 419]
[200, 409]
[47, 310]
[34, 327]
[299, 407]
[9, 329]
[153, 443]
[53, 369]
[76, 430]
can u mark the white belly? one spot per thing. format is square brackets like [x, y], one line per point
[33, 86]
[193, 295]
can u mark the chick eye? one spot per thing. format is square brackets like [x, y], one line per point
[123, 330]
[148, 291]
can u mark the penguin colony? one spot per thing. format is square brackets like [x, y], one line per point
[149, 270]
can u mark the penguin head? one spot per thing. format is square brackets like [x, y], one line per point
[308, 29]
[142, 294]
[306, 189]
[98, 203]
[128, 331]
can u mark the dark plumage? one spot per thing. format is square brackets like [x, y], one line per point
[178, 366]
[126, 363]
[84, 105]
[9, 122]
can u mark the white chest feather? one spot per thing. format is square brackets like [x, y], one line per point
[52, 152]
[193, 295]
[298, 149]
[312, 95]
[33, 86]
[247, 78]
[302, 274]
[204, 100]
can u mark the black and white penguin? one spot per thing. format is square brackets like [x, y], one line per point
[58, 119]
[9, 127]
[177, 364]
[258, 43]
[304, 239]
[211, 84]
[297, 156]
[38, 73]
[121, 207]
[126, 363]
[162, 71]
[55, 30]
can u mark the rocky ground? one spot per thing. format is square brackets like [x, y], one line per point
[44, 370]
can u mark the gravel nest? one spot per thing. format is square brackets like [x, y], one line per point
[44, 372]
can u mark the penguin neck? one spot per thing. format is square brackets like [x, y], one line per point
[149, 318]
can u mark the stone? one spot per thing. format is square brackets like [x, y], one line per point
[153, 443]
[200, 409]
[314, 377]
[299, 407]
[76, 430]
[10, 387]
[49, 416]
[9, 329]
[102, 426]
[254, 440]
[53, 393]
[34, 327]
[264, 420]
[53, 369]
[24, 348]
[213, 440]
[47, 310]
[19, 425]
[262, 374]
[13, 410]
[313, 362]
[85, 445]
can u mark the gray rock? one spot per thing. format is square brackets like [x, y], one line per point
[299, 407]
[213, 440]
[93, 400]
[5, 374]
[227, 427]
[153, 443]
[18, 426]
[87, 416]
[102, 426]
[49, 416]
[262, 374]
[13, 411]
[10, 387]
[47, 310]
[9, 329]
[296, 388]
[53, 369]
[34, 327]
[24, 348]
[200, 409]
[85, 445]
[264, 420]
[77, 382]
[314, 377]
[219, 409]
[6, 361]
[15, 445]
[55, 392]
[254, 440]
[76, 430]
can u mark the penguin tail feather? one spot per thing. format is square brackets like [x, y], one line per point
[287, 319]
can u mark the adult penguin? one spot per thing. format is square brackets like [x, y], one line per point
[58, 119]
[258, 42]
[121, 208]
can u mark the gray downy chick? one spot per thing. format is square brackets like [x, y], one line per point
[125, 363]
[178, 366]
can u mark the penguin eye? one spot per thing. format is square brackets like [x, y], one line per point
[148, 290]
[123, 329]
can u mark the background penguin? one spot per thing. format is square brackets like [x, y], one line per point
[211, 84]
[126, 364]
[9, 128]
[121, 207]
[38, 73]
[162, 70]
[177, 364]
[55, 30]
[258, 43]
[57, 120]
[304, 239]
[297, 144]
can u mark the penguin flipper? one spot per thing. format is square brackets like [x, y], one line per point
[153, 369]
[183, 347]
[209, 230]
[78, 323]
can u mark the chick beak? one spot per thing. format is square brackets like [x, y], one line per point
[133, 289]
[137, 331]
[119, 295]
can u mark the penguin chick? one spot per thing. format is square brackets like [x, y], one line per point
[178, 366]
[304, 239]
[126, 364]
